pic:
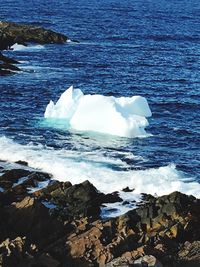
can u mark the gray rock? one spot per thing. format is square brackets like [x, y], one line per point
[147, 261]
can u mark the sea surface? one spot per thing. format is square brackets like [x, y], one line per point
[149, 48]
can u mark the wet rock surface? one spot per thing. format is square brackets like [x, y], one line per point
[11, 33]
[45, 222]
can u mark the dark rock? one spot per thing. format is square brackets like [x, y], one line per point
[127, 189]
[189, 255]
[72, 233]
[111, 198]
[17, 253]
[143, 261]
[120, 262]
[53, 186]
[12, 176]
[11, 252]
[4, 72]
[7, 59]
[11, 33]
[79, 200]
[147, 261]
[75, 41]
[6, 66]
[21, 162]
[16, 189]
[30, 218]
[126, 202]
[6, 69]
[6, 41]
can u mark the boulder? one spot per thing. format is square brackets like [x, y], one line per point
[18, 253]
[120, 262]
[32, 219]
[189, 254]
[12, 176]
[21, 162]
[147, 261]
[127, 189]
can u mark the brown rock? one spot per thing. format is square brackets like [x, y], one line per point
[30, 218]
[189, 255]
[12, 176]
[147, 261]
[20, 33]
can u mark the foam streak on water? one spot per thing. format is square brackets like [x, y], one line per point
[64, 166]
[30, 48]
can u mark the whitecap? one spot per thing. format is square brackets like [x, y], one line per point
[20, 47]
[68, 165]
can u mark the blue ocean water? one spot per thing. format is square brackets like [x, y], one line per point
[149, 48]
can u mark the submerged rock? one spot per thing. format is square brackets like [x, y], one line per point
[12, 33]
[6, 65]
[8, 59]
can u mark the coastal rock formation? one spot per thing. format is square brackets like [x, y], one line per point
[6, 65]
[61, 225]
[11, 33]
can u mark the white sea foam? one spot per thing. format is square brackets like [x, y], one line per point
[1, 189]
[19, 47]
[67, 165]
[124, 116]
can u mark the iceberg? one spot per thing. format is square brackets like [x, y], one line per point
[123, 116]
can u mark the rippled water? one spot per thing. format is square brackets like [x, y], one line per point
[148, 48]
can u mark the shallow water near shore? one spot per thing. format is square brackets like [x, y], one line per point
[126, 48]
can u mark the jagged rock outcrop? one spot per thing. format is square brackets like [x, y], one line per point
[158, 227]
[7, 65]
[61, 225]
[11, 33]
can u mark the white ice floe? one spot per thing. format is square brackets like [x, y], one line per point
[123, 116]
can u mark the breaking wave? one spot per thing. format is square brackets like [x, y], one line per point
[77, 166]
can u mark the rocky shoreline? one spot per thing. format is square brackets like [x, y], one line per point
[47, 223]
[12, 33]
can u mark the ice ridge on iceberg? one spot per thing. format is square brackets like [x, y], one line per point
[123, 116]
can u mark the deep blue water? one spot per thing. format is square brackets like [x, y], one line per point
[149, 48]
